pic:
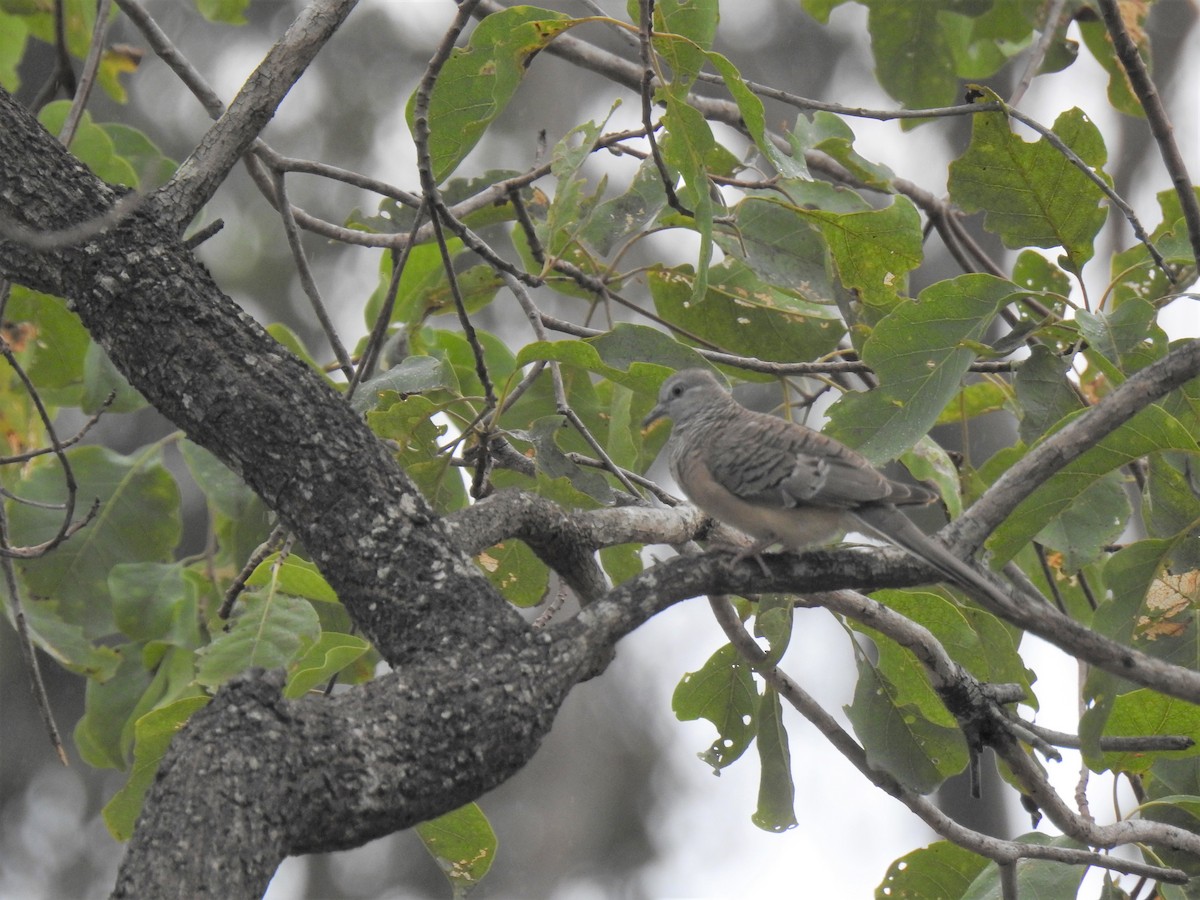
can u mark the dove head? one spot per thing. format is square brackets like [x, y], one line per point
[687, 395]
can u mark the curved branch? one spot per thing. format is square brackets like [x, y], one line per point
[1158, 379]
[661, 586]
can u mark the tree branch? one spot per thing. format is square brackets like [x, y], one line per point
[1158, 379]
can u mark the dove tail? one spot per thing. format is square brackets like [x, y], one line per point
[895, 527]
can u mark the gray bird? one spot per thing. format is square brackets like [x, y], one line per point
[783, 483]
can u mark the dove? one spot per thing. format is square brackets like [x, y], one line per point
[781, 482]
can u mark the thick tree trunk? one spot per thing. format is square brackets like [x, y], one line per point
[253, 777]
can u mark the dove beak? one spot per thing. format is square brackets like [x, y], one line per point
[659, 412]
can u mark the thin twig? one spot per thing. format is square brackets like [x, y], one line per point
[1156, 115]
[87, 78]
[646, 91]
[274, 541]
[165, 50]
[366, 365]
[307, 281]
[1117, 200]
[63, 74]
[560, 393]
[67, 527]
[25, 639]
[1049, 31]
[74, 439]
[1151, 743]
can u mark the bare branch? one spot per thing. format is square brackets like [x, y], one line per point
[1142, 388]
[1156, 115]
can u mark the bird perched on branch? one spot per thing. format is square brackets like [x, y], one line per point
[783, 483]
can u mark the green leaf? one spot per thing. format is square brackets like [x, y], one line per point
[423, 290]
[1169, 505]
[408, 422]
[463, 845]
[1035, 877]
[293, 342]
[605, 356]
[138, 521]
[1036, 273]
[831, 135]
[498, 358]
[551, 460]
[62, 640]
[1032, 196]
[152, 166]
[1129, 575]
[225, 491]
[874, 250]
[91, 145]
[414, 375]
[754, 119]
[101, 734]
[688, 147]
[331, 654]
[231, 12]
[776, 791]
[271, 630]
[101, 379]
[621, 562]
[722, 692]
[1150, 430]
[941, 871]
[154, 602]
[296, 576]
[614, 221]
[623, 440]
[920, 352]
[693, 20]
[913, 59]
[79, 18]
[478, 81]
[53, 352]
[773, 622]
[516, 572]
[1093, 522]
[781, 245]
[975, 399]
[395, 217]
[1044, 394]
[900, 722]
[1119, 333]
[13, 36]
[1096, 39]
[571, 208]
[621, 356]
[1145, 713]
[977, 50]
[740, 314]
[820, 9]
[929, 461]
[152, 735]
[975, 638]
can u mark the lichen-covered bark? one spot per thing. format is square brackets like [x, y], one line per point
[254, 778]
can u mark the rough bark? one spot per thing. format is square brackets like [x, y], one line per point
[253, 777]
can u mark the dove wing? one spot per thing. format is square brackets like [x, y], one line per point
[775, 463]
